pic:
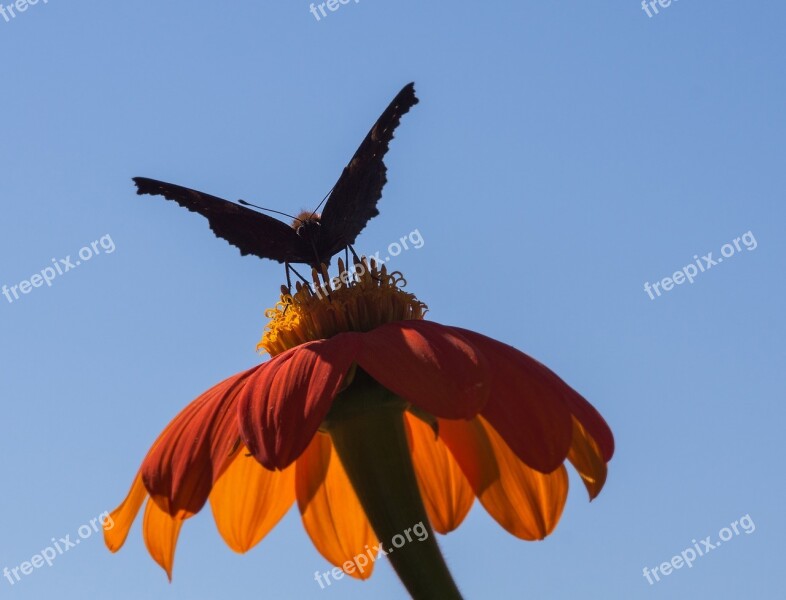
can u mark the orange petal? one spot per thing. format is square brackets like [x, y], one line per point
[123, 516]
[331, 512]
[446, 493]
[160, 532]
[248, 500]
[524, 501]
[585, 456]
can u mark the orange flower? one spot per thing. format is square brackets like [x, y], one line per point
[351, 366]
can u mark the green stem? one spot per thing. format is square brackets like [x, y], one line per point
[367, 427]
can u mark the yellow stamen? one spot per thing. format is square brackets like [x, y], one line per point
[357, 300]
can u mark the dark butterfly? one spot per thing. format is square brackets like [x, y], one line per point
[312, 238]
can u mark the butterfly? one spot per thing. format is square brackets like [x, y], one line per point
[312, 238]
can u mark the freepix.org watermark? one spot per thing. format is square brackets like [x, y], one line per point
[651, 6]
[705, 263]
[360, 561]
[59, 267]
[11, 10]
[331, 5]
[699, 549]
[59, 547]
[359, 269]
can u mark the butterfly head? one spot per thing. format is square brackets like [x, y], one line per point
[306, 224]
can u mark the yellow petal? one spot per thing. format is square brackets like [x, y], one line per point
[123, 516]
[585, 456]
[446, 493]
[331, 512]
[248, 500]
[160, 532]
[525, 502]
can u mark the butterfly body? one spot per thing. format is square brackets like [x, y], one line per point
[312, 239]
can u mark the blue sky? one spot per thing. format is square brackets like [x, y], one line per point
[562, 155]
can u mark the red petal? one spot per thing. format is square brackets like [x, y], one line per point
[592, 422]
[432, 366]
[586, 458]
[527, 405]
[192, 451]
[282, 406]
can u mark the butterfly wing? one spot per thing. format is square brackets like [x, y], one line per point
[353, 201]
[252, 232]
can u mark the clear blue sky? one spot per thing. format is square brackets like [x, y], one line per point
[562, 155]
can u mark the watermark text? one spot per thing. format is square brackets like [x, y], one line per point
[59, 547]
[60, 266]
[360, 561]
[699, 549]
[705, 263]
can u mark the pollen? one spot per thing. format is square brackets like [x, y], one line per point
[359, 299]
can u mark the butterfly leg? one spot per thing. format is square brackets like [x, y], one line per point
[289, 268]
[289, 281]
[354, 254]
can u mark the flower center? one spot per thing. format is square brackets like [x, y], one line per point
[359, 299]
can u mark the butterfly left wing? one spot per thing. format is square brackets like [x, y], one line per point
[250, 231]
[353, 201]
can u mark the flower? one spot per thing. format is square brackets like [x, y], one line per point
[357, 374]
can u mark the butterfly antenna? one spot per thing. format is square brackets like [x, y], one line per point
[323, 201]
[278, 212]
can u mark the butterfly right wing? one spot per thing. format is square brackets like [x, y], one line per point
[250, 231]
[353, 201]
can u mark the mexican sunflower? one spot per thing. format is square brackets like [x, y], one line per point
[372, 420]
